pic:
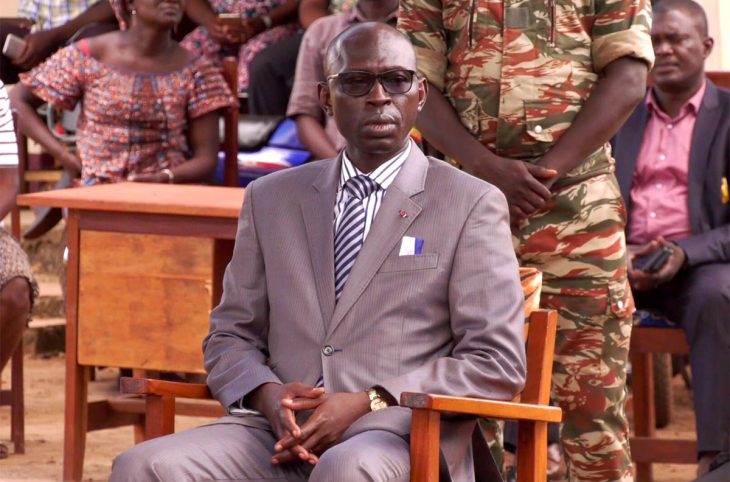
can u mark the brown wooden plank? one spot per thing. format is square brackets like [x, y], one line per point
[159, 416]
[190, 200]
[482, 408]
[191, 408]
[540, 349]
[144, 301]
[77, 376]
[663, 451]
[720, 78]
[102, 415]
[147, 386]
[658, 340]
[532, 451]
[171, 225]
[425, 437]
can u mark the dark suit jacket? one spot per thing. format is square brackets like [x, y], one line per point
[709, 162]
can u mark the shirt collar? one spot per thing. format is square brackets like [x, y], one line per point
[383, 175]
[692, 105]
[355, 15]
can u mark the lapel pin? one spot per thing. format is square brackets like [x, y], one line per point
[403, 214]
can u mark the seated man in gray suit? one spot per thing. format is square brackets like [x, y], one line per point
[353, 280]
[673, 165]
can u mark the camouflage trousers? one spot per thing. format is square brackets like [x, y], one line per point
[578, 243]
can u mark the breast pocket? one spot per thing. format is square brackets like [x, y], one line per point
[410, 263]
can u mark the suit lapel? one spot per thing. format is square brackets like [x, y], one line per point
[708, 118]
[318, 212]
[387, 230]
[628, 147]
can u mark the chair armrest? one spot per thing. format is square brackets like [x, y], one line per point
[481, 408]
[148, 386]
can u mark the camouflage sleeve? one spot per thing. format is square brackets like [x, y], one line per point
[622, 28]
[421, 21]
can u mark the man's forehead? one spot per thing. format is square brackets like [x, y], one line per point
[378, 56]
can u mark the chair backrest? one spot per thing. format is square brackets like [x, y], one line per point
[540, 341]
[230, 123]
[719, 78]
[15, 212]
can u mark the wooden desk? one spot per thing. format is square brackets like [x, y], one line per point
[140, 285]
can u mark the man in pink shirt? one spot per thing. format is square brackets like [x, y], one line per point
[673, 164]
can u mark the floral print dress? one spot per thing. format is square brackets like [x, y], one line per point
[130, 122]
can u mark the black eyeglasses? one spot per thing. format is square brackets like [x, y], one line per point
[357, 83]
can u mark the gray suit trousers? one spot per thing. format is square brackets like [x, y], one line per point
[225, 450]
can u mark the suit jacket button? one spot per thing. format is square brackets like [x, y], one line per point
[328, 350]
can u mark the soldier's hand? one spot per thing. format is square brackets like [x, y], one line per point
[521, 182]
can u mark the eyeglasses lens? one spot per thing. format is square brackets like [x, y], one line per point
[357, 84]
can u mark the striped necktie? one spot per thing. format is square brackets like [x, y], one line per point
[349, 235]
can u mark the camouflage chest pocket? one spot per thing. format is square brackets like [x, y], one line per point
[571, 22]
[547, 120]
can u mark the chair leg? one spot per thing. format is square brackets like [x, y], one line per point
[643, 390]
[532, 451]
[17, 410]
[425, 428]
[159, 416]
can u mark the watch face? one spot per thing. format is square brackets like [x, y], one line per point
[378, 404]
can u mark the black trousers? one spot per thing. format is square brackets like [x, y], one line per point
[699, 300]
[271, 76]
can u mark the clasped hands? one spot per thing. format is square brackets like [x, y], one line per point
[525, 185]
[333, 413]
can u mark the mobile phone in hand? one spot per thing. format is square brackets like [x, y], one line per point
[13, 47]
[231, 23]
[652, 262]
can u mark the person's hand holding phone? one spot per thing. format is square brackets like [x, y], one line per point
[229, 29]
[649, 266]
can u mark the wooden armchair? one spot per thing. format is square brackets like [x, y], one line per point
[531, 409]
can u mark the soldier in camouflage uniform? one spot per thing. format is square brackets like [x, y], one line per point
[525, 94]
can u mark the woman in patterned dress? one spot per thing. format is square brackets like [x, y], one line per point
[263, 23]
[149, 107]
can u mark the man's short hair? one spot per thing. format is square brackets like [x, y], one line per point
[690, 7]
[333, 56]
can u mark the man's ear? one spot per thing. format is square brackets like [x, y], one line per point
[422, 92]
[325, 98]
[708, 43]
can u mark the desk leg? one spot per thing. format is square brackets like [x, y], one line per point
[222, 253]
[77, 376]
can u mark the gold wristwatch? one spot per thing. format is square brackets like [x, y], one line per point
[377, 402]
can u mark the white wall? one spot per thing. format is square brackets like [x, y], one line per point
[8, 8]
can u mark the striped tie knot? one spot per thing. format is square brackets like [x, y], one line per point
[361, 186]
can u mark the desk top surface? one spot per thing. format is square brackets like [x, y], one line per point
[138, 197]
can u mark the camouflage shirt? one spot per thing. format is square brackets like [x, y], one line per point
[518, 71]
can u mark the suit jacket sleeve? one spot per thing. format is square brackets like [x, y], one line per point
[235, 349]
[486, 314]
[711, 246]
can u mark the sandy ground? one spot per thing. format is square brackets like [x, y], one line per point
[44, 428]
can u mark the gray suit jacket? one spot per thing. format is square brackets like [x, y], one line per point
[447, 321]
